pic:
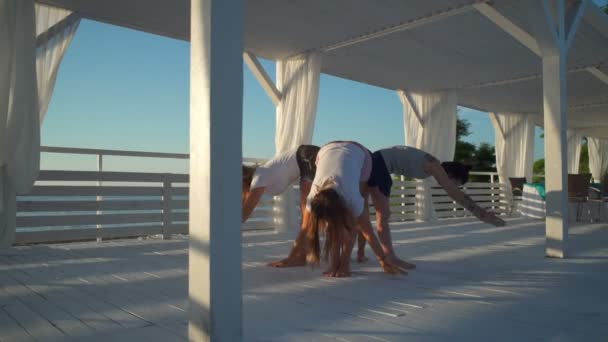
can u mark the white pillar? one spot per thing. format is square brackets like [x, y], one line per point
[556, 173]
[555, 35]
[216, 93]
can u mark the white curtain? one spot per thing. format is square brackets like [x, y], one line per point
[514, 144]
[598, 157]
[24, 97]
[298, 82]
[575, 141]
[51, 47]
[430, 125]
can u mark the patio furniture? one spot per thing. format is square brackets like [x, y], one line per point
[578, 191]
[517, 190]
[533, 201]
[598, 193]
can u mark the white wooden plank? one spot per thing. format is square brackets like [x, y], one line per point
[10, 330]
[34, 324]
[76, 220]
[107, 205]
[59, 190]
[48, 236]
[109, 176]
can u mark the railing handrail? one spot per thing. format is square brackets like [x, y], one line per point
[125, 153]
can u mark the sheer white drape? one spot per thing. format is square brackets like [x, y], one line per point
[575, 141]
[514, 144]
[29, 69]
[298, 82]
[430, 125]
[598, 158]
[51, 47]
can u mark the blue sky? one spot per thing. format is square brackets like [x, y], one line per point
[123, 89]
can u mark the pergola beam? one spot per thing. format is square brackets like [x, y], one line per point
[521, 79]
[400, 27]
[262, 76]
[497, 124]
[509, 27]
[599, 74]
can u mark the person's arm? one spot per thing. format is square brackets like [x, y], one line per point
[435, 169]
[251, 201]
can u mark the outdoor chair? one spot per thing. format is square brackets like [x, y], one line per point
[517, 190]
[578, 191]
[600, 196]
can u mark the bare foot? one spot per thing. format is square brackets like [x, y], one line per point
[401, 263]
[361, 258]
[289, 262]
[339, 273]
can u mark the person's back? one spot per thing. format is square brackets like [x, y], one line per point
[277, 173]
[339, 166]
[406, 161]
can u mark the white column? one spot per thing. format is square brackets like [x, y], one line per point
[216, 95]
[555, 35]
[556, 173]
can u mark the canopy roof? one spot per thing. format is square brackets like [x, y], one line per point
[414, 45]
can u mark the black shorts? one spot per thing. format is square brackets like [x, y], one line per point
[306, 156]
[380, 177]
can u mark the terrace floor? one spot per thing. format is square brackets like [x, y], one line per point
[473, 283]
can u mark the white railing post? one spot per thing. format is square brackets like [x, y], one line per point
[492, 192]
[403, 198]
[99, 198]
[167, 199]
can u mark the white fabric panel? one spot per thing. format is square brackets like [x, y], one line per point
[598, 157]
[20, 128]
[514, 144]
[430, 125]
[298, 82]
[50, 51]
[575, 141]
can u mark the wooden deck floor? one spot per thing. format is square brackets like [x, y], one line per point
[473, 283]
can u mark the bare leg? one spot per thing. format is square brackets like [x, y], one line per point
[368, 232]
[361, 248]
[297, 256]
[383, 212]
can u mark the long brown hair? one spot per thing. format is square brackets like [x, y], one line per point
[328, 212]
[248, 172]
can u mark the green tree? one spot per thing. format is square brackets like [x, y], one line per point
[465, 151]
[485, 157]
[481, 158]
[539, 170]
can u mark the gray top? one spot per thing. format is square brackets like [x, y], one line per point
[406, 160]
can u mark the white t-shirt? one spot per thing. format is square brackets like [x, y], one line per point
[277, 174]
[340, 164]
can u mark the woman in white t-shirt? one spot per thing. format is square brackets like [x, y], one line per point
[336, 205]
[277, 174]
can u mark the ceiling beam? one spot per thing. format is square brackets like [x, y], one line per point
[497, 124]
[508, 26]
[262, 76]
[517, 79]
[602, 76]
[400, 27]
